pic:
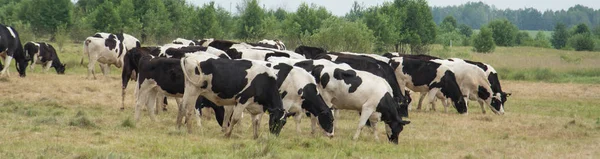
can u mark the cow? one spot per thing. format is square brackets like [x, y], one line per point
[299, 91]
[373, 64]
[157, 76]
[11, 48]
[276, 44]
[426, 76]
[226, 45]
[179, 51]
[346, 88]
[44, 54]
[474, 84]
[243, 83]
[107, 49]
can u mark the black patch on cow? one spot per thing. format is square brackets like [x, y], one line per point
[224, 56]
[204, 85]
[97, 36]
[233, 54]
[307, 65]
[196, 71]
[177, 42]
[300, 91]
[422, 72]
[483, 93]
[261, 89]
[316, 73]
[284, 71]
[325, 79]
[13, 47]
[229, 77]
[478, 64]
[268, 64]
[222, 44]
[450, 60]
[180, 52]
[263, 45]
[110, 42]
[283, 94]
[202, 102]
[349, 77]
[309, 52]
[450, 88]
[138, 44]
[276, 54]
[496, 87]
[390, 114]
[166, 72]
[419, 57]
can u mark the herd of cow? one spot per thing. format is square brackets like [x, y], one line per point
[232, 77]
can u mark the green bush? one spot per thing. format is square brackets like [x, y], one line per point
[582, 42]
[483, 41]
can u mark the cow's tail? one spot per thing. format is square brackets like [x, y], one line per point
[85, 50]
[183, 68]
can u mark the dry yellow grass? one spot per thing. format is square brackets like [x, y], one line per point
[543, 120]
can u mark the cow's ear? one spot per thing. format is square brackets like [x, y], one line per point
[508, 94]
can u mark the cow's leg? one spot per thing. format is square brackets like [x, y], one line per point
[5, 70]
[481, 104]
[157, 100]
[256, 123]
[237, 115]
[431, 96]
[227, 117]
[188, 105]
[164, 103]
[142, 99]
[421, 100]
[151, 106]
[104, 68]
[366, 112]
[298, 118]
[91, 65]
[35, 61]
[374, 119]
[48, 65]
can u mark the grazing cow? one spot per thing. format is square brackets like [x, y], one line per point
[276, 44]
[346, 88]
[11, 48]
[474, 84]
[299, 91]
[260, 54]
[157, 76]
[376, 65]
[44, 54]
[179, 51]
[427, 76]
[243, 83]
[108, 49]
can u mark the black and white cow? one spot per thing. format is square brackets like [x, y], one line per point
[157, 77]
[107, 49]
[183, 41]
[179, 51]
[426, 76]
[475, 84]
[276, 44]
[260, 54]
[11, 48]
[349, 89]
[376, 65]
[44, 54]
[243, 83]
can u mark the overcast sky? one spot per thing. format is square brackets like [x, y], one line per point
[341, 7]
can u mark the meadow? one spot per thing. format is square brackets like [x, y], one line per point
[46, 115]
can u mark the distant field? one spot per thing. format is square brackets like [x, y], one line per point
[67, 116]
[532, 33]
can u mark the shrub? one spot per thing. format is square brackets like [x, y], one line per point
[483, 41]
[581, 42]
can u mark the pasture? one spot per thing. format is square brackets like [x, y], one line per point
[67, 116]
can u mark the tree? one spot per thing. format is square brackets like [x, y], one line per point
[582, 42]
[484, 41]
[448, 25]
[105, 18]
[523, 39]
[560, 36]
[465, 30]
[581, 29]
[337, 34]
[541, 40]
[250, 20]
[356, 12]
[504, 32]
[46, 15]
[156, 22]
[419, 27]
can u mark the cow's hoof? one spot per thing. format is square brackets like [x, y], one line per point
[122, 108]
[165, 109]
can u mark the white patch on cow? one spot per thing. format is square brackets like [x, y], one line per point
[12, 33]
[5, 70]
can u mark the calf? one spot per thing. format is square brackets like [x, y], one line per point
[107, 49]
[243, 83]
[44, 54]
[11, 48]
[346, 88]
[427, 76]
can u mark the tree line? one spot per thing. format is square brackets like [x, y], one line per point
[476, 14]
[401, 25]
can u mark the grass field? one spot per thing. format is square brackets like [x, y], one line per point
[67, 116]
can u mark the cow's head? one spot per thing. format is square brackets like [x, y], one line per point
[326, 122]
[60, 69]
[276, 120]
[504, 97]
[497, 104]
[22, 62]
[396, 127]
